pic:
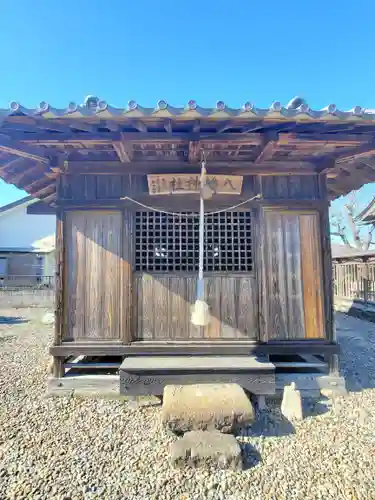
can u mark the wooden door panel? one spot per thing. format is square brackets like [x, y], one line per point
[94, 275]
[293, 276]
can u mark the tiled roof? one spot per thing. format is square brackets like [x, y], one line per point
[297, 109]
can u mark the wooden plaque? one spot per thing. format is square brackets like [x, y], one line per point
[190, 184]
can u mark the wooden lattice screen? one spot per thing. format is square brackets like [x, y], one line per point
[165, 242]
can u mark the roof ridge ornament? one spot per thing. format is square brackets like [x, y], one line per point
[297, 103]
[72, 107]
[192, 104]
[132, 105]
[276, 106]
[14, 106]
[162, 104]
[331, 109]
[91, 102]
[101, 105]
[43, 107]
[248, 106]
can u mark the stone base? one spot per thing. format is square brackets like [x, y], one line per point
[206, 449]
[291, 406]
[224, 407]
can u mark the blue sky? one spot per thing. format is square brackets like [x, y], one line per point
[235, 51]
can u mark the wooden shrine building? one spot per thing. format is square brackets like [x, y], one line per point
[125, 187]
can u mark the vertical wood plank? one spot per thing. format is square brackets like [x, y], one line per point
[246, 312]
[311, 275]
[161, 306]
[276, 279]
[126, 279]
[294, 296]
[111, 289]
[327, 277]
[261, 260]
[213, 297]
[148, 330]
[60, 271]
[137, 296]
[228, 308]
[178, 310]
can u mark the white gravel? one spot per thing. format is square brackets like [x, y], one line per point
[70, 448]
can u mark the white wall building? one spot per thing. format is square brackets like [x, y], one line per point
[26, 252]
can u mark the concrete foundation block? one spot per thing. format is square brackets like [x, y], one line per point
[291, 405]
[206, 449]
[224, 407]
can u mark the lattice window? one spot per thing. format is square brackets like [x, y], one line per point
[171, 242]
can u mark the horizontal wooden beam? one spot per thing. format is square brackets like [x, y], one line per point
[107, 137]
[218, 348]
[190, 203]
[41, 208]
[19, 149]
[179, 167]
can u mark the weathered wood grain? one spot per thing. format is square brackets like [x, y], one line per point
[247, 325]
[60, 282]
[294, 293]
[124, 298]
[277, 323]
[164, 307]
[229, 298]
[213, 297]
[94, 255]
[326, 261]
[161, 304]
[290, 187]
[312, 275]
[179, 311]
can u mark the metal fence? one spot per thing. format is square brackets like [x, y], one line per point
[354, 280]
[27, 291]
[26, 281]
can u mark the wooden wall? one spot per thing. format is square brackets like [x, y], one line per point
[163, 308]
[280, 300]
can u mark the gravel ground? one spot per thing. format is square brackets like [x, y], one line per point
[71, 448]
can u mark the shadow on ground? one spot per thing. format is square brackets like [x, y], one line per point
[357, 360]
[250, 455]
[12, 320]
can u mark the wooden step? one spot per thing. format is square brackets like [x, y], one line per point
[148, 375]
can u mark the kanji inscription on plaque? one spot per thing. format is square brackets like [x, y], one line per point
[190, 183]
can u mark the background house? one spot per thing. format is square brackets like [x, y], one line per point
[26, 244]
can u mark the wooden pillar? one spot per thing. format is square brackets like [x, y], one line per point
[127, 312]
[58, 370]
[259, 256]
[326, 261]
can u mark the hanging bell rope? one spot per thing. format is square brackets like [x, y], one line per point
[201, 312]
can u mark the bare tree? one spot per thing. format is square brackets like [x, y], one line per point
[352, 233]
